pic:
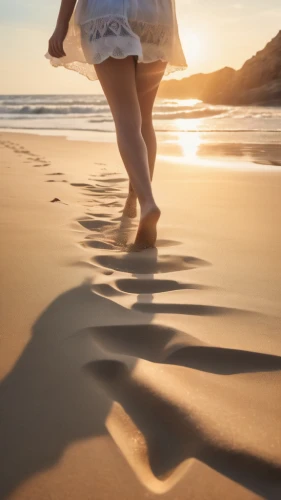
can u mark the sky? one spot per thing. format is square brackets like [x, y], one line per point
[214, 34]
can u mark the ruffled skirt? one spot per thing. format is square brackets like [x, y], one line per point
[99, 29]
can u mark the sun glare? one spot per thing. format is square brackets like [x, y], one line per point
[189, 145]
[192, 46]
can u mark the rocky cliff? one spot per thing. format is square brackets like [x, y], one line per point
[257, 82]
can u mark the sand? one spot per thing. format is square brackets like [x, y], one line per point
[137, 375]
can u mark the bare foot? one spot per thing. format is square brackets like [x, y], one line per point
[147, 231]
[130, 209]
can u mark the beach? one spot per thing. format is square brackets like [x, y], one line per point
[142, 375]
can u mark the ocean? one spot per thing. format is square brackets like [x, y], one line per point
[199, 129]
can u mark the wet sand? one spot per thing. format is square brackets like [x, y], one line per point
[137, 375]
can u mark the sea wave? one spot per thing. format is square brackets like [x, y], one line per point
[199, 113]
[93, 103]
[63, 109]
[159, 108]
[52, 110]
[53, 102]
[160, 113]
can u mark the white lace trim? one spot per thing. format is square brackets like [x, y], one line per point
[115, 36]
[112, 26]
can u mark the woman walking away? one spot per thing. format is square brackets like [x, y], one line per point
[128, 45]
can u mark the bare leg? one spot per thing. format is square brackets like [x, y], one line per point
[148, 78]
[118, 80]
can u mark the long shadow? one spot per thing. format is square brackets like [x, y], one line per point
[224, 361]
[173, 435]
[46, 401]
[161, 344]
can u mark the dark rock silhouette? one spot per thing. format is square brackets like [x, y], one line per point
[257, 82]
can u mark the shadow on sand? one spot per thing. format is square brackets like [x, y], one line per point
[78, 363]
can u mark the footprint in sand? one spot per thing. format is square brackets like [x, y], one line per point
[105, 194]
[80, 184]
[95, 225]
[147, 286]
[139, 287]
[108, 189]
[146, 263]
[104, 174]
[112, 181]
[102, 189]
[52, 180]
[42, 165]
[112, 204]
[99, 215]
[103, 245]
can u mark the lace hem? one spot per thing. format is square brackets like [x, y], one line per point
[117, 37]
[114, 36]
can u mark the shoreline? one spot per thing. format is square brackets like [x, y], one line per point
[156, 372]
[185, 147]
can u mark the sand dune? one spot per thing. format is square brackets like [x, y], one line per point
[137, 375]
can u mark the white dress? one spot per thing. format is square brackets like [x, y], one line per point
[99, 29]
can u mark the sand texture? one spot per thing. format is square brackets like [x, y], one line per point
[150, 375]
